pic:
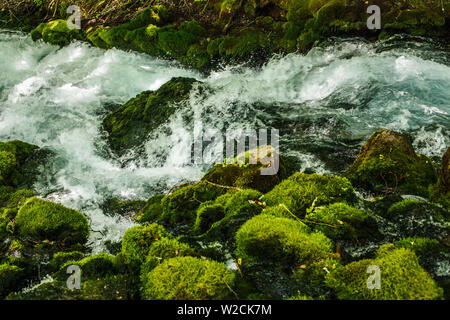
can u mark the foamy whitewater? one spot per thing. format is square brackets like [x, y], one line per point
[325, 104]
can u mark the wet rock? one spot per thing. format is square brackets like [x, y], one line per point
[129, 125]
[388, 163]
[246, 170]
[441, 191]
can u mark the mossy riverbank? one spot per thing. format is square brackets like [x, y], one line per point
[201, 33]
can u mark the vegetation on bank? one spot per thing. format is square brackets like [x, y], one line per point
[199, 32]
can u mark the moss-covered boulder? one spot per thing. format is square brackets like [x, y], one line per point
[138, 240]
[238, 207]
[387, 162]
[341, 221]
[282, 241]
[13, 155]
[180, 207]
[189, 278]
[402, 278]
[39, 220]
[415, 218]
[130, 124]
[441, 191]
[60, 258]
[56, 32]
[246, 170]
[92, 267]
[152, 209]
[164, 249]
[301, 191]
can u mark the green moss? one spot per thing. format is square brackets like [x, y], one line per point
[341, 221]
[115, 207]
[92, 267]
[181, 205]
[164, 249]
[402, 278]
[207, 214]
[13, 155]
[280, 211]
[240, 207]
[194, 28]
[137, 241]
[244, 171]
[188, 278]
[301, 190]
[312, 276]
[417, 208]
[285, 242]
[245, 44]
[129, 125]
[387, 161]
[176, 43]
[197, 56]
[60, 258]
[420, 246]
[152, 209]
[10, 279]
[40, 220]
[56, 32]
[153, 15]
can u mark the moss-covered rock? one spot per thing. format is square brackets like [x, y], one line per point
[341, 221]
[239, 207]
[441, 191]
[56, 32]
[189, 278]
[245, 170]
[40, 220]
[207, 214]
[180, 207]
[282, 241]
[300, 191]
[13, 155]
[152, 210]
[311, 277]
[130, 124]
[402, 278]
[138, 240]
[415, 218]
[60, 258]
[387, 162]
[92, 267]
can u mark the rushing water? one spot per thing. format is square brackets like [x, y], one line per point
[325, 104]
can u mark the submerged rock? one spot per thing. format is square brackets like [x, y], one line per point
[129, 125]
[388, 163]
[402, 278]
